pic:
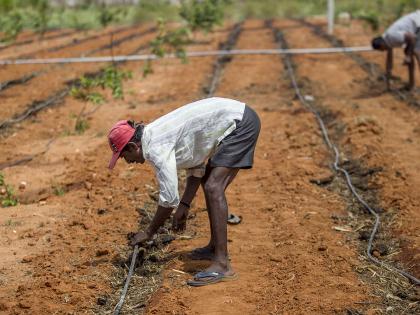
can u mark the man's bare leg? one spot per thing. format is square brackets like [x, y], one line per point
[214, 190]
[207, 252]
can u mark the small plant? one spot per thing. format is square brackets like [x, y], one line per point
[7, 196]
[166, 42]
[202, 14]
[111, 78]
[58, 190]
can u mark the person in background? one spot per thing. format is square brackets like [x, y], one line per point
[405, 32]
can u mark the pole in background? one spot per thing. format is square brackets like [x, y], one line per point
[330, 16]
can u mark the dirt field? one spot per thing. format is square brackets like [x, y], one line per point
[300, 247]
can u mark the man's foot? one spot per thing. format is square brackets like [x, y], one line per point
[210, 277]
[202, 253]
[217, 272]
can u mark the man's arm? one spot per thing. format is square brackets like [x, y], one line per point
[181, 214]
[166, 173]
[389, 65]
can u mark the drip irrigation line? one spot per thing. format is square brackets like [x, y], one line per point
[26, 78]
[192, 54]
[39, 105]
[118, 307]
[337, 168]
[29, 41]
[36, 108]
[220, 62]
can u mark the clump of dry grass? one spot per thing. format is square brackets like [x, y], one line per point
[148, 274]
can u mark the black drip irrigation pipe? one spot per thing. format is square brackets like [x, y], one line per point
[222, 60]
[60, 95]
[8, 84]
[369, 67]
[336, 166]
[120, 303]
[217, 72]
[29, 41]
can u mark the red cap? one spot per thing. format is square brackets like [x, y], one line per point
[118, 137]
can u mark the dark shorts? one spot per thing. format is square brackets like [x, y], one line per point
[237, 149]
[417, 46]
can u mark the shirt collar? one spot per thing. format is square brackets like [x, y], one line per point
[145, 141]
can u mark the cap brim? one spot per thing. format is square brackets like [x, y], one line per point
[114, 160]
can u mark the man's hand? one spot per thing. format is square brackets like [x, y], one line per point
[140, 238]
[179, 220]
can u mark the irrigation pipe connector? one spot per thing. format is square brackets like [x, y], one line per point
[337, 168]
[192, 54]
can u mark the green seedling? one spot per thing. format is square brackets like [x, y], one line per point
[111, 78]
[58, 190]
[7, 196]
[9, 199]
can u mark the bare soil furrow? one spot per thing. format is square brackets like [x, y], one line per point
[14, 100]
[76, 284]
[19, 74]
[367, 130]
[31, 38]
[276, 249]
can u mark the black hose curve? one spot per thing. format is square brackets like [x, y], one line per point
[332, 147]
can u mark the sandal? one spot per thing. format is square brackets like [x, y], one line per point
[210, 277]
[234, 219]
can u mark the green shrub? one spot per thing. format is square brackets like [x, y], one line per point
[202, 14]
[11, 25]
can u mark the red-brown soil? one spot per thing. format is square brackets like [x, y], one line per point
[58, 251]
[383, 132]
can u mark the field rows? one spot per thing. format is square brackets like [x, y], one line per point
[61, 251]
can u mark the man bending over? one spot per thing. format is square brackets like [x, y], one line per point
[212, 139]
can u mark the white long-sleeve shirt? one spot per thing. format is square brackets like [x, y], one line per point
[185, 138]
[394, 36]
